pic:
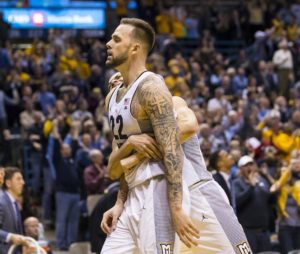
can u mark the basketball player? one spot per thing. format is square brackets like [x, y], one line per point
[220, 231]
[153, 209]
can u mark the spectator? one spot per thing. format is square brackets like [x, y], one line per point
[251, 192]
[232, 124]
[163, 22]
[256, 9]
[34, 229]
[82, 160]
[174, 81]
[34, 139]
[45, 98]
[27, 117]
[67, 188]
[288, 203]
[283, 60]
[223, 162]
[95, 175]
[191, 24]
[4, 99]
[240, 81]
[11, 228]
[82, 113]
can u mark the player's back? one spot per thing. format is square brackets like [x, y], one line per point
[193, 153]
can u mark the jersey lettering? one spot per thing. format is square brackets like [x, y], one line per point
[113, 123]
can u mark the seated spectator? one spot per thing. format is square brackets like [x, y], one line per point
[82, 113]
[174, 81]
[34, 229]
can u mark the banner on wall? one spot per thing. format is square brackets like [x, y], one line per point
[55, 18]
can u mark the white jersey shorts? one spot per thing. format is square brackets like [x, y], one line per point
[220, 231]
[145, 225]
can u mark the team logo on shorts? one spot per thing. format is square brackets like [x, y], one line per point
[166, 248]
[244, 248]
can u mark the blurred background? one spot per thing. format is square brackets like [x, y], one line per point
[235, 62]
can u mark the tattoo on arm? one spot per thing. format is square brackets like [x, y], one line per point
[123, 191]
[157, 102]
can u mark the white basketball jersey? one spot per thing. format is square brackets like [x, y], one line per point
[123, 125]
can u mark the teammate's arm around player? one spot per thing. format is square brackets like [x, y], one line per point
[187, 124]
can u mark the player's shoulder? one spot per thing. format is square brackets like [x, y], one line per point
[179, 102]
[151, 81]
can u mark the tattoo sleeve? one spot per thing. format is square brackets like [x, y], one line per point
[123, 191]
[157, 102]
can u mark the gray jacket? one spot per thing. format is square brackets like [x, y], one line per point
[8, 223]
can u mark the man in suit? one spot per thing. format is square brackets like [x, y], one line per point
[222, 162]
[10, 217]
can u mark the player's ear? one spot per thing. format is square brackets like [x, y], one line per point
[136, 47]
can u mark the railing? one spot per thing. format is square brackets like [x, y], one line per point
[33, 243]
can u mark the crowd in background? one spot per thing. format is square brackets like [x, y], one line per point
[54, 125]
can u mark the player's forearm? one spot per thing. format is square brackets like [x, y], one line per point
[123, 191]
[173, 164]
[115, 169]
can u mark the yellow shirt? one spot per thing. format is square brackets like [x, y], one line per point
[121, 9]
[173, 83]
[292, 32]
[178, 29]
[284, 142]
[285, 190]
[163, 24]
[84, 70]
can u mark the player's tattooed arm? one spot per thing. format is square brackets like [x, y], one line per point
[157, 102]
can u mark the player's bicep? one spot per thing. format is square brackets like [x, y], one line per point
[157, 102]
[186, 120]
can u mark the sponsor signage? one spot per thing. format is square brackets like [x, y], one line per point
[55, 18]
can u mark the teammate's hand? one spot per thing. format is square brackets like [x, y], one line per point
[110, 219]
[185, 228]
[145, 145]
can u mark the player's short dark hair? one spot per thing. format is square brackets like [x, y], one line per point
[9, 173]
[143, 31]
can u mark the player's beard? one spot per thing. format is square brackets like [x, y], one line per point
[114, 62]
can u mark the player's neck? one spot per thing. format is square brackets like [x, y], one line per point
[131, 72]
